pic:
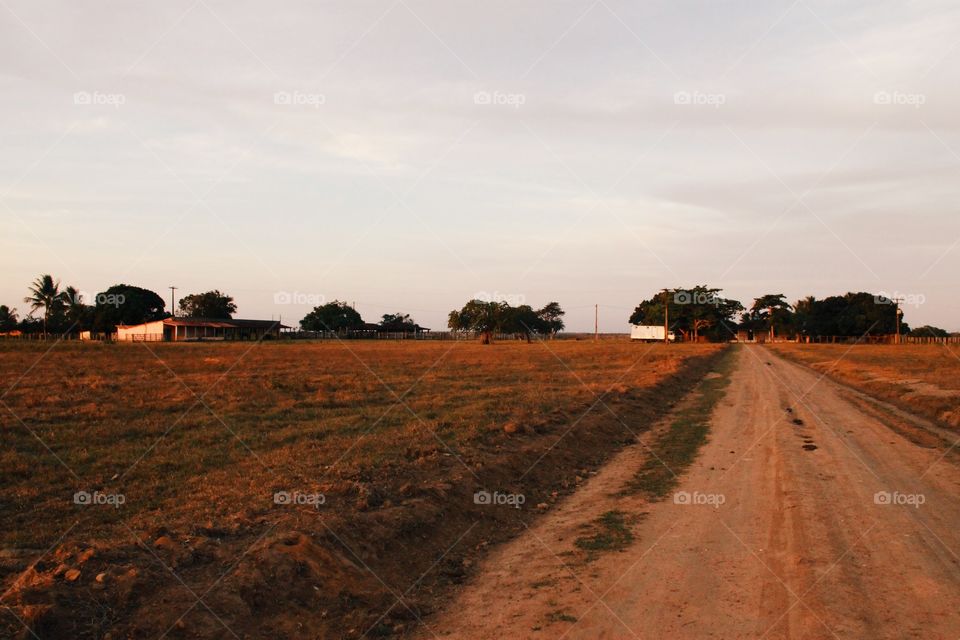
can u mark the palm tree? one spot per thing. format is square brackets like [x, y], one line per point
[73, 301]
[44, 294]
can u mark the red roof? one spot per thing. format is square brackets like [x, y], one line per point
[196, 322]
[226, 323]
[215, 323]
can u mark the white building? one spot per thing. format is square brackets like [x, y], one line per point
[179, 329]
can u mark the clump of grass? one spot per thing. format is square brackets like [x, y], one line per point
[560, 616]
[673, 451]
[610, 533]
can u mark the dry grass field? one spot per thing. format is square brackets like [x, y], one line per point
[923, 379]
[182, 450]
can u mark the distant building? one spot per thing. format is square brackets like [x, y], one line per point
[180, 329]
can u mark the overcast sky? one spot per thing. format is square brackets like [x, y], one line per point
[408, 155]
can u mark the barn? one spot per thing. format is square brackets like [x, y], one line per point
[195, 329]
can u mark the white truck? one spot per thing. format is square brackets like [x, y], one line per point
[649, 333]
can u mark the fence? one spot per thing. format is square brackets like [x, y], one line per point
[848, 339]
[887, 339]
[376, 335]
[930, 340]
[39, 336]
[141, 337]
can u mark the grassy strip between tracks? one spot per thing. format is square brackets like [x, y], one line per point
[673, 451]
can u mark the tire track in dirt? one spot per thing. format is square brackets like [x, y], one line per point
[807, 543]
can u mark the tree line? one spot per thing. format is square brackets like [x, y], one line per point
[484, 318]
[694, 312]
[703, 311]
[56, 310]
[487, 318]
[340, 317]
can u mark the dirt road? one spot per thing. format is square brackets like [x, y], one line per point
[838, 527]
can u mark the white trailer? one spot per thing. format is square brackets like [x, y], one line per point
[649, 333]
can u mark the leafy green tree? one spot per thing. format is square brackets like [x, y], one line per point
[522, 320]
[332, 316]
[480, 317]
[210, 304]
[398, 323]
[44, 294]
[802, 308]
[29, 324]
[925, 331]
[850, 315]
[551, 315]
[486, 318]
[866, 315]
[772, 312]
[8, 318]
[806, 316]
[692, 311]
[126, 304]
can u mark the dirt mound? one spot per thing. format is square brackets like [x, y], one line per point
[951, 417]
[313, 576]
[73, 592]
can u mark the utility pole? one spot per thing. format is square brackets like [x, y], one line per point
[666, 316]
[596, 322]
[173, 309]
[899, 313]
